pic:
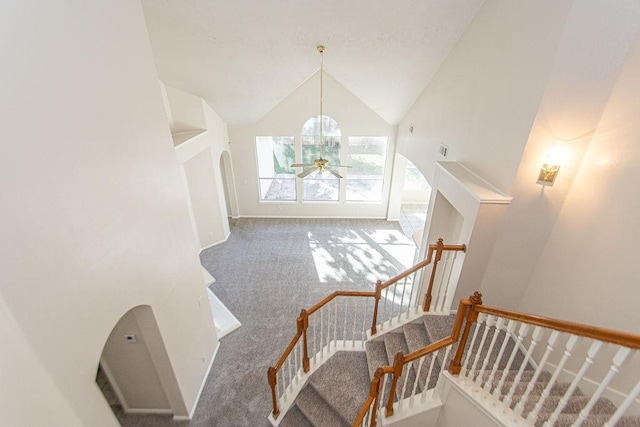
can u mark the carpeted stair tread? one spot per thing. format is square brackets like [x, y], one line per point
[317, 410]
[394, 343]
[343, 382]
[376, 356]
[416, 336]
[438, 326]
[294, 417]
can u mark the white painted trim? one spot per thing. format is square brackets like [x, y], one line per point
[453, 381]
[204, 381]
[432, 401]
[311, 217]
[148, 411]
[114, 385]
[216, 243]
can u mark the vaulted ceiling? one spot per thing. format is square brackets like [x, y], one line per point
[245, 56]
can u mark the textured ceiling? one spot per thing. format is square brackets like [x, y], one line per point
[245, 56]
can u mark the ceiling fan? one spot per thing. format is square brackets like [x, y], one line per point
[319, 165]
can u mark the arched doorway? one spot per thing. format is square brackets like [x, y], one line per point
[134, 372]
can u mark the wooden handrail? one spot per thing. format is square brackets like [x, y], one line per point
[602, 334]
[334, 294]
[373, 397]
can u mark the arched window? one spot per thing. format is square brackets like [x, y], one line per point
[321, 187]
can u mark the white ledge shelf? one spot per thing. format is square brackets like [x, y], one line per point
[182, 137]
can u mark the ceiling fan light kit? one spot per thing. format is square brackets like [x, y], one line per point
[319, 165]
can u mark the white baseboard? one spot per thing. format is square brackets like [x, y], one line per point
[311, 217]
[215, 243]
[204, 381]
[148, 411]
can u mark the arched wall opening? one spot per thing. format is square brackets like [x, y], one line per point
[135, 373]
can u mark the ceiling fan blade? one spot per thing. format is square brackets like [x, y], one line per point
[334, 173]
[307, 172]
[300, 165]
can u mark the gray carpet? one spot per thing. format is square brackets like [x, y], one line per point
[265, 273]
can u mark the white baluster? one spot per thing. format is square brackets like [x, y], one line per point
[335, 324]
[393, 302]
[631, 397]
[321, 333]
[446, 278]
[344, 326]
[355, 317]
[295, 364]
[381, 398]
[313, 328]
[415, 384]
[405, 374]
[363, 335]
[328, 306]
[434, 356]
[591, 354]
[465, 365]
[499, 325]
[415, 278]
[488, 323]
[535, 338]
[551, 342]
[383, 313]
[533, 415]
[618, 361]
[404, 289]
[522, 332]
[284, 385]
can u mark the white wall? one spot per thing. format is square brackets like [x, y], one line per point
[482, 101]
[588, 268]
[95, 219]
[287, 119]
[199, 153]
[592, 49]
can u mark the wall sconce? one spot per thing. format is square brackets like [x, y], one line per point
[550, 167]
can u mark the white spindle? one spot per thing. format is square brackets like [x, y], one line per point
[405, 374]
[321, 333]
[551, 343]
[329, 328]
[344, 324]
[295, 364]
[393, 302]
[618, 360]
[444, 281]
[446, 359]
[488, 322]
[535, 338]
[415, 384]
[434, 356]
[404, 289]
[313, 328]
[591, 354]
[383, 389]
[631, 397]
[285, 386]
[522, 332]
[363, 334]
[415, 290]
[511, 326]
[465, 365]
[383, 313]
[533, 415]
[335, 323]
[499, 325]
[355, 317]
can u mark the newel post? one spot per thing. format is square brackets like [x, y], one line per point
[374, 390]
[427, 296]
[271, 376]
[375, 307]
[398, 363]
[472, 317]
[303, 326]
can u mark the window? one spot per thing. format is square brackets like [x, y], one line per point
[321, 187]
[413, 179]
[277, 179]
[366, 157]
